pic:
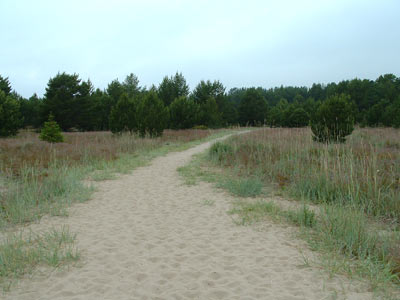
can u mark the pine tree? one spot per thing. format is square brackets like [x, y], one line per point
[51, 132]
[172, 88]
[10, 116]
[152, 116]
[5, 85]
[123, 115]
[183, 113]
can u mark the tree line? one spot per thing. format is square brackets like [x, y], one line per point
[128, 106]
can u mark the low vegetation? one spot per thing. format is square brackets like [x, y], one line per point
[350, 193]
[21, 253]
[41, 178]
[363, 174]
[333, 120]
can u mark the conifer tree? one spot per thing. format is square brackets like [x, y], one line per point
[123, 115]
[10, 116]
[152, 115]
[51, 131]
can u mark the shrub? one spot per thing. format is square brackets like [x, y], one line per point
[51, 132]
[298, 118]
[334, 120]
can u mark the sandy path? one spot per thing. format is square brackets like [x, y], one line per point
[148, 236]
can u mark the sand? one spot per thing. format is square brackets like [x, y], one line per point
[148, 236]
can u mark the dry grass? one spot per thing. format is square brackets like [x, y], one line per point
[363, 173]
[26, 150]
[356, 184]
[39, 178]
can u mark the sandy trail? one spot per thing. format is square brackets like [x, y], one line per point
[148, 236]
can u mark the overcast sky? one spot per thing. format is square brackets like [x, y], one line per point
[241, 43]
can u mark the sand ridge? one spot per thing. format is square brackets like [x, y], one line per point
[148, 236]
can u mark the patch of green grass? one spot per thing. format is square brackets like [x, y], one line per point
[20, 254]
[242, 187]
[195, 170]
[198, 168]
[303, 216]
[30, 197]
[219, 151]
[351, 246]
[252, 212]
[347, 231]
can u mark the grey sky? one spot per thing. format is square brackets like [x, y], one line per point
[240, 43]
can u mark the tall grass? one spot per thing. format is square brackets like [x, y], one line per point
[356, 185]
[39, 178]
[364, 173]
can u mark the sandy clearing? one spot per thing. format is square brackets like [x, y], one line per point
[148, 236]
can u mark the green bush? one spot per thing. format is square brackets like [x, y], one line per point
[334, 120]
[298, 117]
[51, 132]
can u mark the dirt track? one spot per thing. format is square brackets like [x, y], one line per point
[148, 236]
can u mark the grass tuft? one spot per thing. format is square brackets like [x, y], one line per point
[242, 187]
[302, 217]
[20, 254]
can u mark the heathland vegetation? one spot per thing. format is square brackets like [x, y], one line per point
[348, 194]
